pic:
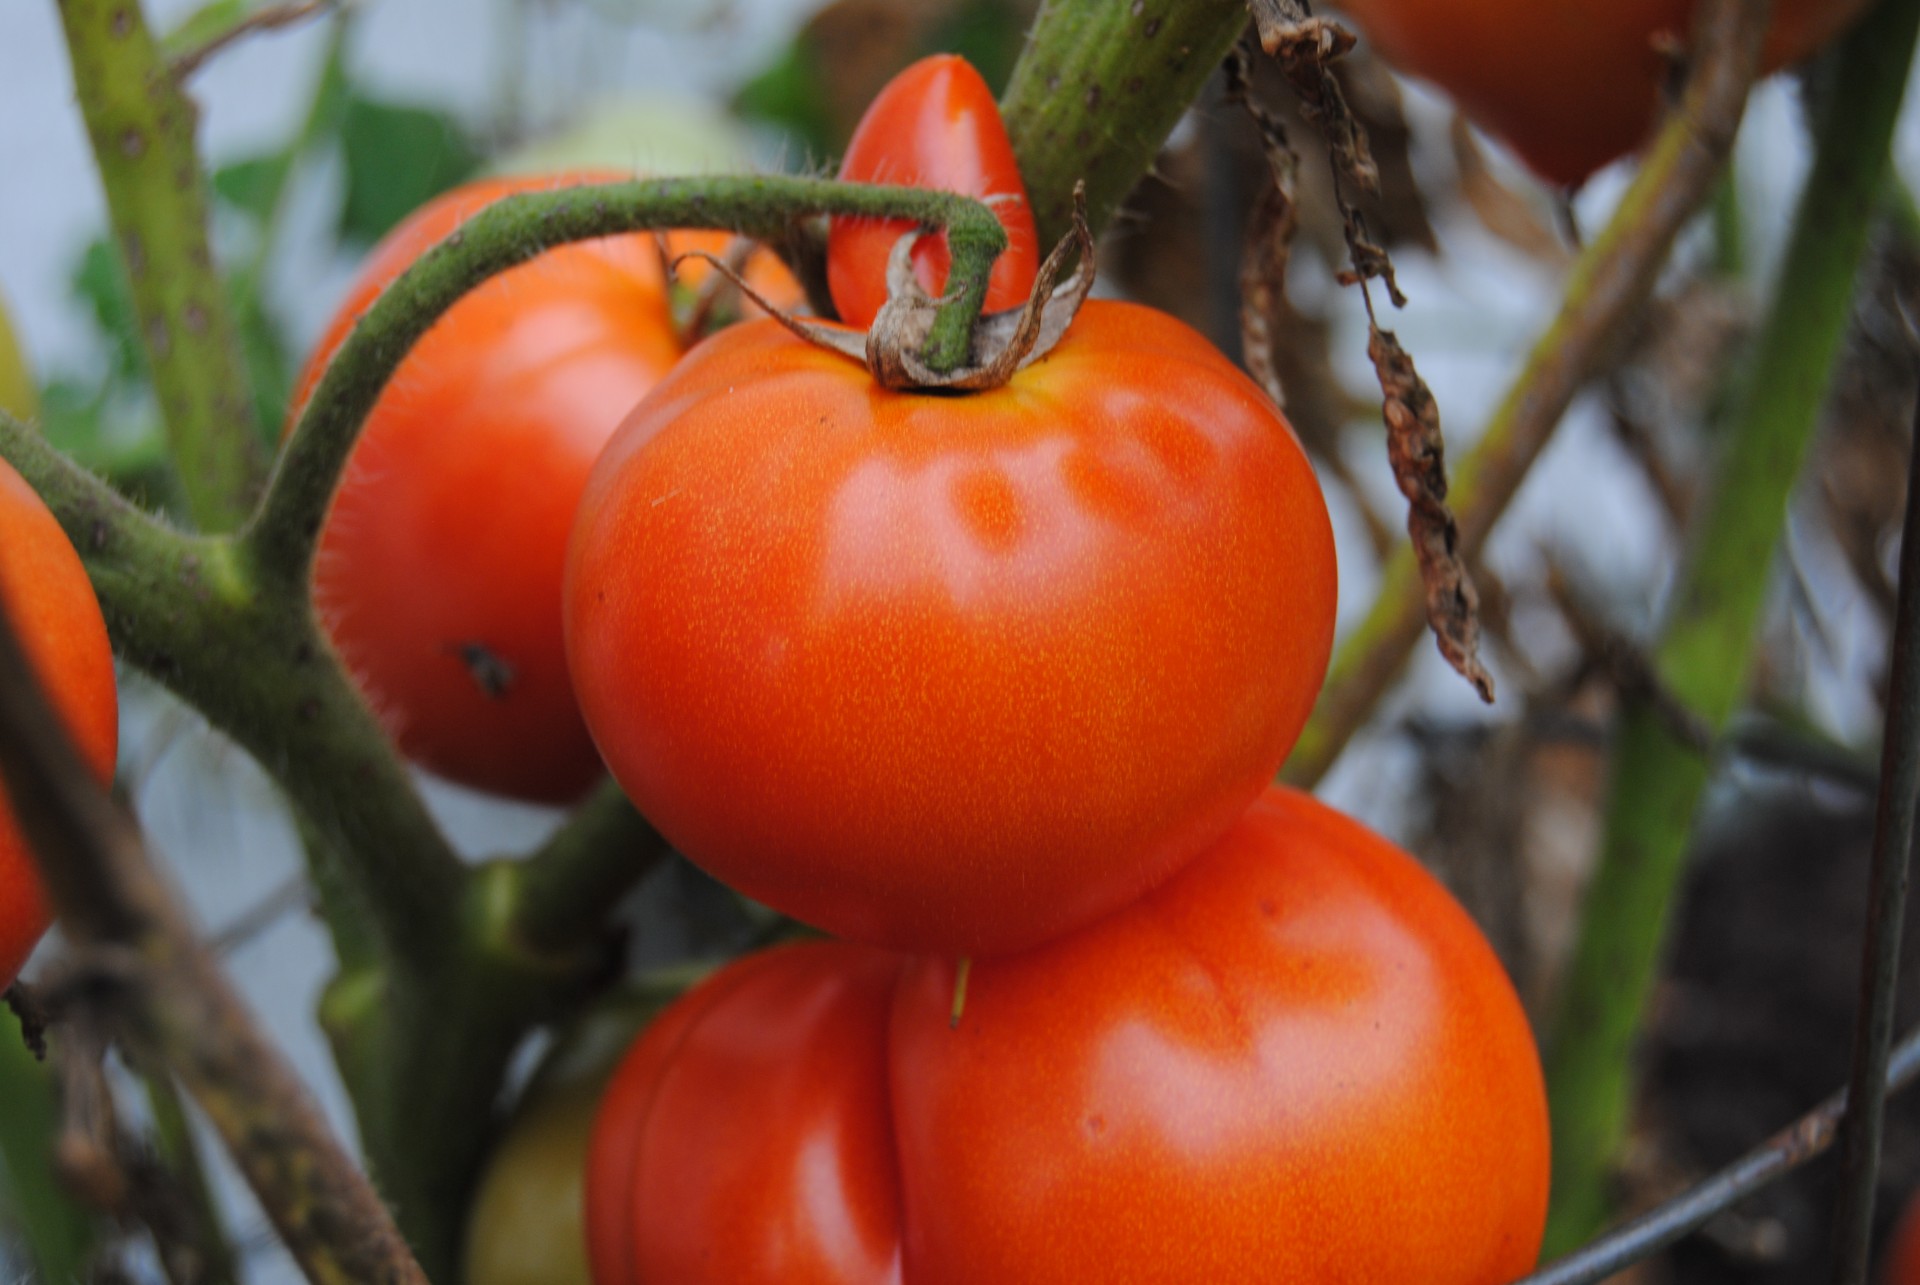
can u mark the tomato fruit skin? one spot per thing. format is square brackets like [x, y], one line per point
[1243, 1071]
[1569, 86]
[953, 674]
[935, 125]
[746, 1133]
[1901, 1263]
[1297, 1061]
[53, 610]
[439, 568]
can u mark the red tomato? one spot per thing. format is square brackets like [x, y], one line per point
[948, 673]
[439, 570]
[1230, 1080]
[46, 594]
[937, 126]
[1570, 85]
[1901, 1263]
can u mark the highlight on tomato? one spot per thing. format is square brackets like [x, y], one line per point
[950, 673]
[53, 610]
[935, 125]
[439, 569]
[1569, 87]
[1229, 1080]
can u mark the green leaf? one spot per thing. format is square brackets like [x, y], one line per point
[253, 185]
[397, 158]
[58, 1232]
[790, 94]
[100, 282]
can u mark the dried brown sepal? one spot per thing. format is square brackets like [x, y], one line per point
[1307, 47]
[1002, 343]
[1268, 249]
[32, 1016]
[1418, 455]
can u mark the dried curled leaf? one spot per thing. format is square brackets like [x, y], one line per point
[1307, 47]
[1418, 455]
[1270, 231]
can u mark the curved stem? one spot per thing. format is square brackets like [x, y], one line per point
[516, 229]
[141, 125]
[1610, 283]
[1703, 657]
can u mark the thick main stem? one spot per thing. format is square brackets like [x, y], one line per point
[142, 125]
[1099, 86]
[1703, 656]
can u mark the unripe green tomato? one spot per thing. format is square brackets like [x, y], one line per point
[527, 1225]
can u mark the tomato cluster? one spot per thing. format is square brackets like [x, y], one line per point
[52, 608]
[991, 686]
[1569, 85]
[1003, 676]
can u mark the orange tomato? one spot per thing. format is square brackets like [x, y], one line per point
[936, 126]
[950, 673]
[1229, 1080]
[1569, 85]
[51, 605]
[438, 574]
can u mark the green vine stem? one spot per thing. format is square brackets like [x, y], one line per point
[141, 125]
[569, 886]
[1099, 86]
[185, 610]
[1703, 656]
[1609, 285]
[520, 227]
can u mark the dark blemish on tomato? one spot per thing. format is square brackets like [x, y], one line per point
[490, 672]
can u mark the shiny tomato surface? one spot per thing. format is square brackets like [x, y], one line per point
[439, 570]
[935, 125]
[950, 673]
[1569, 85]
[53, 610]
[1298, 1061]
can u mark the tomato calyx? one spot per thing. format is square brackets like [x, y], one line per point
[1000, 344]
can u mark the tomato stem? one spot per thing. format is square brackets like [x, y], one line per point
[1098, 88]
[1703, 656]
[518, 228]
[141, 125]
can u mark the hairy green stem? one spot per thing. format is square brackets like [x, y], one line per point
[142, 126]
[518, 228]
[1099, 86]
[1610, 283]
[190, 612]
[1703, 656]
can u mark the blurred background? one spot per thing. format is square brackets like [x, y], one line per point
[320, 137]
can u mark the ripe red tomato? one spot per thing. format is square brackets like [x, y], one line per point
[1570, 86]
[948, 673]
[1229, 1080]
[46, 594]
[935, 125]
[439, 570]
